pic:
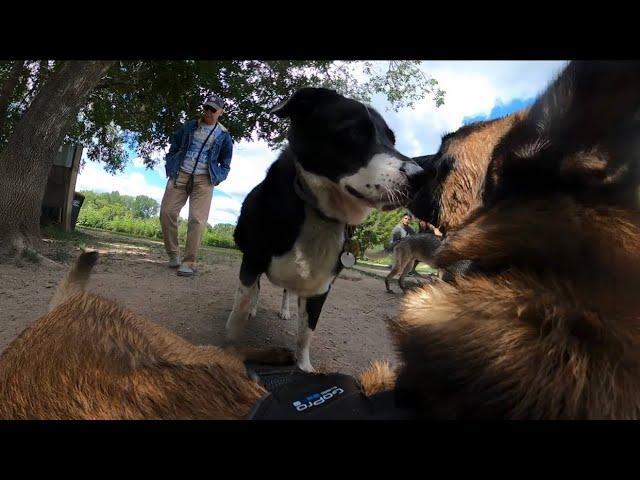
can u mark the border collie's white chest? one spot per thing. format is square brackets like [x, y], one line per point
[308, 268]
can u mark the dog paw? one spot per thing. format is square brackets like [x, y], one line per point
[306, 367]
[283, 356]
[284, 315]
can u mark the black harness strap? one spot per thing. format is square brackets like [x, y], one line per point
[297, 395]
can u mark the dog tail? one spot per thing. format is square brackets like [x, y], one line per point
[379, 377]
[76, 280]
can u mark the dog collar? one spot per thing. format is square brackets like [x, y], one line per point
[347, 258]
[306, 195]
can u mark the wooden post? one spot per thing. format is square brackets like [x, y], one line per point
[71, 188]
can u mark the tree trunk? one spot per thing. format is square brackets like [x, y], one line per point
[28, 155]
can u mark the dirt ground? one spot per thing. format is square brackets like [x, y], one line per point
[351, 331]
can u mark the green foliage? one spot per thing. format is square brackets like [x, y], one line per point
[122, 213]
[137, 216]
[31, 255]
[218, 238]
[220, 235]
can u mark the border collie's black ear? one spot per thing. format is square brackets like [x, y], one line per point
[302, 101]
[582, 133]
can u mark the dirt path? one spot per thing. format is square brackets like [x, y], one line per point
[351, 331]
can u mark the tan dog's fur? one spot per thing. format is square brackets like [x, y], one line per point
[560, 341]
[460, 193]
[547, 324]
[89, 358]
[379, 377]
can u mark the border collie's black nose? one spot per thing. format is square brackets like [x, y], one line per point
[411, 169]
[414, 173]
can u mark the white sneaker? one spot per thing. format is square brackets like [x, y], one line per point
[186, 271]
[174, 261]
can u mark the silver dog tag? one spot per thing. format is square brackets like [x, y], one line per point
[347, 259]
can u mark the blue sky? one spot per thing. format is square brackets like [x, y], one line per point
[476, 90]
[500, 110]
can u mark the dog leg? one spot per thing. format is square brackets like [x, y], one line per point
[308, 313]
[254, 301]
[285, 314]
[407, 268]
[246, 297]
[394, 271]
[304, 337]
[415, 265]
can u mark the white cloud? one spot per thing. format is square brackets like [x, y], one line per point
[472, 88]
[249, 165]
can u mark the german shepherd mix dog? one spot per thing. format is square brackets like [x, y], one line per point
[454, 178]
[421, 247]
[339, 165]
[531, 332]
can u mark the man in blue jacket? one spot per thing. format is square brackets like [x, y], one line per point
[199, 159]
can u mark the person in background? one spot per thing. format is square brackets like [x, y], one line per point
[199, 159]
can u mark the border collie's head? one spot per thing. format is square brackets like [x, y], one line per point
[345, 152]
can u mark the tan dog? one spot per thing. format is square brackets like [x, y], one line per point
[89, 358]
[421, 247]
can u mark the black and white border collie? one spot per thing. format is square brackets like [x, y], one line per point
[340, 163]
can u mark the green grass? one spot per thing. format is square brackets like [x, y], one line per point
[30, 255]
[384, 262]
[55, 233]
[207, 237]
[234, 252]
[422, 268]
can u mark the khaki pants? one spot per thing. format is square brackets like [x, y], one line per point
[175, 196]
